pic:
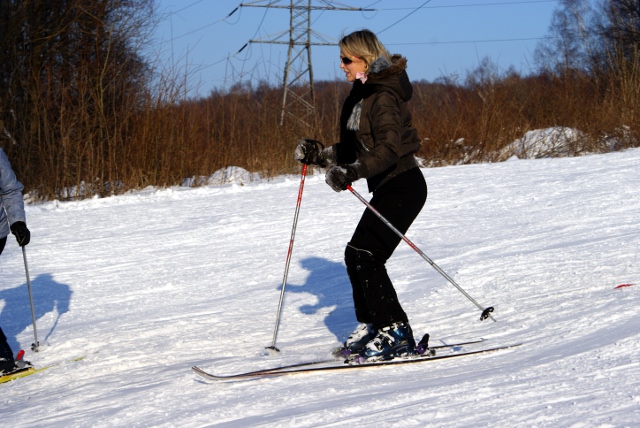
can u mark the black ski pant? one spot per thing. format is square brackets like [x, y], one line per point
[7, 363]
[373, 242]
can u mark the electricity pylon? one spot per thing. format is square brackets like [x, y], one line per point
[298, 97]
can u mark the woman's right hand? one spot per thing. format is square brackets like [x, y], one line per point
[309, 152]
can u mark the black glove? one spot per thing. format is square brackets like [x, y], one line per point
[338, 177]
[19, 229]
[309, 152]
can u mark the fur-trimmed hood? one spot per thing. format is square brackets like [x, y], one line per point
[392, 75]
[389, 74]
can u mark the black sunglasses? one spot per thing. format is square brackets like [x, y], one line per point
[346, 61]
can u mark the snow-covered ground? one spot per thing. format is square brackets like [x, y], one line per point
[148, 284]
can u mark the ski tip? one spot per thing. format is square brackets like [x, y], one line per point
[623, 286]
[198, 370]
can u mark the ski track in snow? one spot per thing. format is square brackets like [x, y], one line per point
[147, 284]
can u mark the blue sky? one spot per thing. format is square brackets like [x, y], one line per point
[439, 37]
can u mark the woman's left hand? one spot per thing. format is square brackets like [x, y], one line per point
[339, 177]
[19, 229]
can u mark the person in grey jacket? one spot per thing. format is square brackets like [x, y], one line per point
[12, 218]
[378, 143]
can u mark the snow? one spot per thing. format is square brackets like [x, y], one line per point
[146, 285]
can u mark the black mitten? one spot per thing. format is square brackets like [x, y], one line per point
[19, 229]
[309, 152]
[338, 177]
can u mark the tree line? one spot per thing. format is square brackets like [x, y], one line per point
[83, 112]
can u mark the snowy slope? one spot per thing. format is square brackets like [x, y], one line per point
[145, 285]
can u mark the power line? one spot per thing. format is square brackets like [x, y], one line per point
[404, 17]
[449, 42]
[205, 26]
[453, 42]
[186, 7]
[472, 5]
[423, 6]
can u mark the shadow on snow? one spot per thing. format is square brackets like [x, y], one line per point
[329, 283]
[48, 296]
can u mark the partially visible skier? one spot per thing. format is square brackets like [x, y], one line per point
[377, 142]
[12, 218]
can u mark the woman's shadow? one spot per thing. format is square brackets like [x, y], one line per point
[328, 281]
[48, 295]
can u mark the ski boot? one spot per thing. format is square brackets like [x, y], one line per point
[393, 341]
[13, 365]
[356, 341]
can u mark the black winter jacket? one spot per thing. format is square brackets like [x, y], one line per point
[377, 136]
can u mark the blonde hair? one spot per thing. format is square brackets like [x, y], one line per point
[363, 44]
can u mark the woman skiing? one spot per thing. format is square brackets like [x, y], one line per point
[377, 142]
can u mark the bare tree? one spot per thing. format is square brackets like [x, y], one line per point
[70, 75]
[571, 45]
[621, 27]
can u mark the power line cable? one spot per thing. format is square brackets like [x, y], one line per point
[205, 26]
[186, 7]
[404, 17]
[473, 5]
[452, 42]
[423, 6]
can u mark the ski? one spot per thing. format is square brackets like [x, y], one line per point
[422, 348]
[17, 374]
[30, 370]
[309, 366]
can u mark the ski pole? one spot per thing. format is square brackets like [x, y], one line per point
[286, 268]
[486, 312]
[35, 345]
